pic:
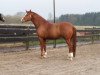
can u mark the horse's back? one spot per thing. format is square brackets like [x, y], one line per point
[65, 24]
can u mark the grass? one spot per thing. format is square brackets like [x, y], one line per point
[11, 44]
[59, 41]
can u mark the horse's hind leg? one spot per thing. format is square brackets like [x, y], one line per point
[70, 45]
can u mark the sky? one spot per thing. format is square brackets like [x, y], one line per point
[45, 7]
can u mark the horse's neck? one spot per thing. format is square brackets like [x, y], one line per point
[38, 20]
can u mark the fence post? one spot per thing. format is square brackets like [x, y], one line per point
[27, 41]
[92, 36]
[54, 46]
[27, 45]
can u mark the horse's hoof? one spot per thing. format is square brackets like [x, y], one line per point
[44, 56]
[70, 58]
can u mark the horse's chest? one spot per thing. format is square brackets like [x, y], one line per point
[42, 33]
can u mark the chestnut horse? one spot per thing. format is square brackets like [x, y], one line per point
[46, 30]
[1, 18]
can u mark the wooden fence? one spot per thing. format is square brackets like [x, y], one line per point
[19, 33]
[92, 34]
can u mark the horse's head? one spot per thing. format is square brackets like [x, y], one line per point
[2, 18]
[27, 17]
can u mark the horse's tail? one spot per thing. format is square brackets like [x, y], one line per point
[74, 42]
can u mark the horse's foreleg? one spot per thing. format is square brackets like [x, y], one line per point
[45, 52]
[43, 47]
[70, 55]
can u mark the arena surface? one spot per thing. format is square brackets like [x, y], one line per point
[87, 62]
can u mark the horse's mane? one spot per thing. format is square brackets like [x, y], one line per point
[39, 17]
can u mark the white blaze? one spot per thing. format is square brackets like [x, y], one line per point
[22, 18]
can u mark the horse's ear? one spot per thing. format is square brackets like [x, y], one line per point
[26, 11]
[30, 10]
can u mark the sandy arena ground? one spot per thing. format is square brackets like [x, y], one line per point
[87, 62]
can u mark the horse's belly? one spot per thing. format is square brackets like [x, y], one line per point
[53, 36]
